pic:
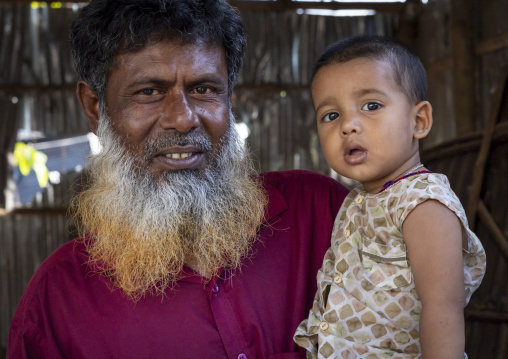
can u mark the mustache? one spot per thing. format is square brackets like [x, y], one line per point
[146, 228]
[170, 139]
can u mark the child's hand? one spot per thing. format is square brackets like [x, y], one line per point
[434, 239]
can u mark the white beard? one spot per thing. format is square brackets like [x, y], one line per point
[147, 228]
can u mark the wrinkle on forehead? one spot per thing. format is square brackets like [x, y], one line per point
[156, 39]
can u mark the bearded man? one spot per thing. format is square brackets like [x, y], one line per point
[186, 252]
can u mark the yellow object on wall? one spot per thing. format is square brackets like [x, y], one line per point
[28, 158]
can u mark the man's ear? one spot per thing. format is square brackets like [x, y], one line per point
[90, 104]
[422, 119]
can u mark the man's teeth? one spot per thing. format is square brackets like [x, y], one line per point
[178, 155]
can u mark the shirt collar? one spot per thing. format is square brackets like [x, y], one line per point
[276, 202]
[276, 205]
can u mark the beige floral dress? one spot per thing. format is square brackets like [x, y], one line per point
[366, 305]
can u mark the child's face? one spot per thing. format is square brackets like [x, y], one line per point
[365, 122]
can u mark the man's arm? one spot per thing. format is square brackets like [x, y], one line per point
[24, 342]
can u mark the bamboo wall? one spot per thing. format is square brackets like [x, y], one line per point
[37, 84]
[487, 313]
[464, 46]
[272, 98]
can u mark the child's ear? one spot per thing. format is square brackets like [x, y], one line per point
[89, 103]
[422, 119]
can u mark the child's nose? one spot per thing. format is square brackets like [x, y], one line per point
[350, 124]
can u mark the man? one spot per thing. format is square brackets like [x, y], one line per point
[186, 252]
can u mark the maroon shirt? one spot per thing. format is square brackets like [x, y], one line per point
[68, 312]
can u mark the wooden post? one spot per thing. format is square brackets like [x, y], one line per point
[483, 155]
[495, 231]
[463, 66]
[3, 177]
[408, 23]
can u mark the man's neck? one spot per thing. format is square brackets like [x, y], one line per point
[192, 263]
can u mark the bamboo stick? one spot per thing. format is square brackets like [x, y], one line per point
[487, 315]
[439, 65]
[479, 168]
[280, 5]
[502, 349]
[458, 147]
[20, 89]
[492, 226]
[41, 211]
[463, 66]
[492, 44]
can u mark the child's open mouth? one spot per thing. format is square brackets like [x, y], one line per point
[355, 154]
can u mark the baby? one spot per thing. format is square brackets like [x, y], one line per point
[403, 262]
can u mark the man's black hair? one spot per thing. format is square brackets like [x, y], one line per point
[408, 70]
[107, 28]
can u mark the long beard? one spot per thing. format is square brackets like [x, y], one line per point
[144, 229]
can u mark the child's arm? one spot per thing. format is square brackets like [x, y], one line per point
[433, 235]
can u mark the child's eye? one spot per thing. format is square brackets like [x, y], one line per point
[371, 106]
[330, 117]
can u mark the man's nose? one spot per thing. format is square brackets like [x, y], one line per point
[179, 114]
[350, 124]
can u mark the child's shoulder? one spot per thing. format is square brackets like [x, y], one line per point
[426, 184]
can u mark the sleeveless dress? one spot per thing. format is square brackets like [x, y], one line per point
[366, 305]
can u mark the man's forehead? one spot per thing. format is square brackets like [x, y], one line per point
[177, 45]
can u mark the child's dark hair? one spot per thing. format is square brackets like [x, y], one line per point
[408, 70]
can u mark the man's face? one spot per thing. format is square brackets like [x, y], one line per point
[172, 185]
[169, 105]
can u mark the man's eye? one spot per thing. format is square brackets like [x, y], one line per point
[330, 117]
[371, 106]
[203, 89]
[147, 92]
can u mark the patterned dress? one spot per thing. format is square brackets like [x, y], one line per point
[366, 305]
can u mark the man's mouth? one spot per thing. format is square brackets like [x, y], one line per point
[174, 151]
[177, 156]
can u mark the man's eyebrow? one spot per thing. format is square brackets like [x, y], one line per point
[211, 78]
[142, 81]
[201, 79]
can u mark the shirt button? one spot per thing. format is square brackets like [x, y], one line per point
[215, 288]
[359, 200]
[242, 356]
[323, 326]
[337, 279]
[347, 233]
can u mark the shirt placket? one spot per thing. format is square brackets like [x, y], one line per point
[227, 321]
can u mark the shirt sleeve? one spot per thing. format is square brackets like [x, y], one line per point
[30, 327]
[26, 341]
[436, 189]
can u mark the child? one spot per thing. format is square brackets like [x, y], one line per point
[403, 262]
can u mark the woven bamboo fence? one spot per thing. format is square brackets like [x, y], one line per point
[477, 166]
[273, 100]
